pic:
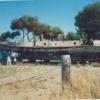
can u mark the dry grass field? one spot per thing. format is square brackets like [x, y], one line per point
[43, 82]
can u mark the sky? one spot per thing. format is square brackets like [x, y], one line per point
[59, 13]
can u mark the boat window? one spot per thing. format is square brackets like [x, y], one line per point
[44, 43]
[74, 43]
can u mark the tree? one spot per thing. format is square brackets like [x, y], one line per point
[8, 35]
[43, 30]
[88, 21]
[72, 36]
[55, 32]
[26, 25]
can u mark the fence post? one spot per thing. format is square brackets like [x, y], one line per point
[65, 69]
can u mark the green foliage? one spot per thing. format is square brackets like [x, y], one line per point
[8, 35]
[88, 20]
[43, 30]
[72, 36]
[54, 32]
[57, 30]
[26, 25]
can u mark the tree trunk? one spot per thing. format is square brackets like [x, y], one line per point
[34, 39]
[23, 35]
[88, 39]
[41, 37]
[28, 38]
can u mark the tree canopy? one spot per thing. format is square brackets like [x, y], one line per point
[55, 31]
[8, 35]
[72, 36]
[43, 30]
[88, 20]
[27, 25]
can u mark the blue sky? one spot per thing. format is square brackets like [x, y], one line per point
[54, 12]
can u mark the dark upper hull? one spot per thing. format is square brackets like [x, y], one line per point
[78, 53]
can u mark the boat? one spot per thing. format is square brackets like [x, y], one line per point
[78, 53]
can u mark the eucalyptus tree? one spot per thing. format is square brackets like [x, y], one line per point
[88, 21]
[25, 25]
[55, 32]
[9, 35]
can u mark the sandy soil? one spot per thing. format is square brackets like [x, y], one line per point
[35, 81]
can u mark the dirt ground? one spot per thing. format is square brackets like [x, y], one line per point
[42, 82]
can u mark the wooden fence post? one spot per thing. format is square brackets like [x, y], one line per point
[65, 69]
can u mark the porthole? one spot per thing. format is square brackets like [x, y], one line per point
[44, 43]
